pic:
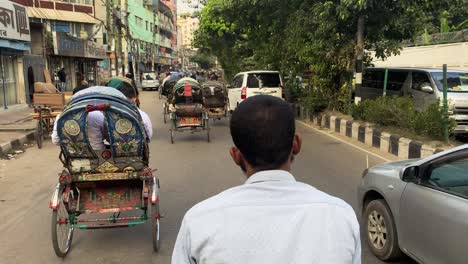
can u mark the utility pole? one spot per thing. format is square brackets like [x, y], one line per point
[110, 32]
[359, 58]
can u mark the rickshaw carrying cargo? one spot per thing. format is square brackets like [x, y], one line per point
[167, 89]
[187, 112]
[109, 182]
[215, 99]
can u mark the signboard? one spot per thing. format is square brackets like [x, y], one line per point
[14, 22]
[93, 51]
[66, 45]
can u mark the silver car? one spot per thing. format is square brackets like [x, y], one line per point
[418, 207]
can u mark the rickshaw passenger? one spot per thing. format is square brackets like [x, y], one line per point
[96, 130]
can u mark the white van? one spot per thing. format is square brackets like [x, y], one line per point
[149, 81]
[247, 84]
[424, 86]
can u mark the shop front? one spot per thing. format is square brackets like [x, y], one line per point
[14, 41]
[78, 58]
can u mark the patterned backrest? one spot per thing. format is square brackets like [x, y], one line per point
[125, 131]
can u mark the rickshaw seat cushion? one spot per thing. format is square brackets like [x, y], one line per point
[188, 109]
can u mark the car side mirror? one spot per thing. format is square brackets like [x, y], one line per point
[427, 89]
[410, 174]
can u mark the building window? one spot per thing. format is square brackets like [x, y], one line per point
[146, 25]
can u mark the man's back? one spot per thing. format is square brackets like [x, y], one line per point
[270, 219]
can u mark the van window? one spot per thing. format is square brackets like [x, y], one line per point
[237, 81]
[373, 79]
[263, 80]
[396, 80]
[149, 76]
[420, 79]
[456, 81]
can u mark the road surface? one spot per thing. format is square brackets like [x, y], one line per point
[190, 171]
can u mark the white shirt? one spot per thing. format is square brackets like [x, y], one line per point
[270, 219]
[95, 121]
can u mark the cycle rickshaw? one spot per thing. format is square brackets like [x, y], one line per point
[187, 112]
[110, 182]
[215, 99]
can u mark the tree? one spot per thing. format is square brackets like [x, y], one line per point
[296, 36]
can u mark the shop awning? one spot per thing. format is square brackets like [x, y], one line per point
[60, 15]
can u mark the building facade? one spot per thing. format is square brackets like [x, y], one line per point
[15, 37]
[64, 34]
[167, 29]
[187, 25]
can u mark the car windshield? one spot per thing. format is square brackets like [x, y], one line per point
[263, 80]
[148, 76]
[456, 81]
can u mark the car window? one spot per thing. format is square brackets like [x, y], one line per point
[253, 81]
[396, 80]
[451, 177]
[149, 76]
[420, 79]
[373, 79]
[237, 81]
[263, 80]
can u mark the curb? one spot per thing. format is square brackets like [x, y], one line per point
[401, 147]
[16, 143]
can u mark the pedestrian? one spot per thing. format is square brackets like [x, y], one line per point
[83, 85]
[130, 76]
[272, 218]
[62, 75]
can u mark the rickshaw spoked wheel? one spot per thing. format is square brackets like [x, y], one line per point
[155, 216]
[41, 131]
[62, 233]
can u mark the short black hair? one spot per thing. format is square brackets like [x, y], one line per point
[263, 129]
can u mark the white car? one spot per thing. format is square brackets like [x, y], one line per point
[149, 81]
[247, 84]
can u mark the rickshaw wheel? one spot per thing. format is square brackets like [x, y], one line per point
[155, 226]
[62, 234]
[40, 130]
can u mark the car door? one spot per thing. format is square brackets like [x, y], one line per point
[422, 99]
[372, 84]
[234, 92]
[434, 211]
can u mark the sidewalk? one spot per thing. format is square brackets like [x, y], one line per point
[16, 127]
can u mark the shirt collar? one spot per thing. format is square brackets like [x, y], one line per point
[270, 175]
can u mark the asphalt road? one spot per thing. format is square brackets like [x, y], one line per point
[190, 171]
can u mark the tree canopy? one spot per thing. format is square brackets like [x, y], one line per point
[297, 36]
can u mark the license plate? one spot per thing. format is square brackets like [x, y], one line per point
[189, 121]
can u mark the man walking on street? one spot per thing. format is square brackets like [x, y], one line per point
[272, 218]
[62, 75]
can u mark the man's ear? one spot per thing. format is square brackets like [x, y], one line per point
[297, 144]
[236, 156]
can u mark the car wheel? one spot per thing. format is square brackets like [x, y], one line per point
[380, 231]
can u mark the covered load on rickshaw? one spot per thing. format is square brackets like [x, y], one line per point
[111, 180]
[215, 99]
[187, 112]
[166, 90]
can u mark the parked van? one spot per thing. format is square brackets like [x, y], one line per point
[424, 85]
[247, 84]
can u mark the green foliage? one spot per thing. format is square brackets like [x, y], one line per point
[386, 111]
[205, 61]
[314, 102]
[430, 122]
[400, 112]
